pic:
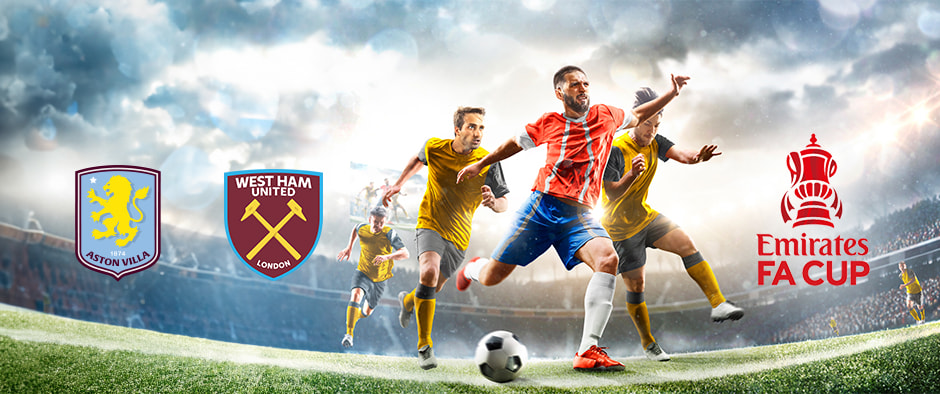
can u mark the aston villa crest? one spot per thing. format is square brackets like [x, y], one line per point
[273, 218]
[117, 219]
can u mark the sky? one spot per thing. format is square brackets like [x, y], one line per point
[199, 88]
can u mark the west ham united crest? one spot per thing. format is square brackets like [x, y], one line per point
[117, 219]
[273, 218]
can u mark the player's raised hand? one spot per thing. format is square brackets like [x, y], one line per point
[638, 164]
[488, 198]
[391, 191]
[678, 81]
[343, 255]
[468, 172]
[706, 153]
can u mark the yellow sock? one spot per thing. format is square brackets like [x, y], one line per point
[641, 319]
[702, 274]
[410, 300]
[915, 314]
[922, 316]
[352, 316]
[424, 312]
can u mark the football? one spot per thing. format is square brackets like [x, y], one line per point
[501, 356]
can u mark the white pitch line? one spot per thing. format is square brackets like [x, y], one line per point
[639, 370]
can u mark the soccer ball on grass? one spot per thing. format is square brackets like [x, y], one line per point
[501, 356]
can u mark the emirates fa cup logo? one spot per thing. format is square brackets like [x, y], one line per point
[810, 170]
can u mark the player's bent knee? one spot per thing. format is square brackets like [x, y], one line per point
[356, 295]
[607, 264]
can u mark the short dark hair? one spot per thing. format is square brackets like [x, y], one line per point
[560, 74]
[461, 111]
[645, 95]
[379, 211]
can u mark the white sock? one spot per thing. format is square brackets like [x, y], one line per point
[473, 269]
[598, 302]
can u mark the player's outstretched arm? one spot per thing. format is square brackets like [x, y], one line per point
[414, 165]
[687, 156]
[344, 254]
[505, 151]
[647, 110]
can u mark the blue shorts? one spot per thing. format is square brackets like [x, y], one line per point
[545, 221]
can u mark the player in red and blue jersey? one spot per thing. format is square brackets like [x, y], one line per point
[558, 212]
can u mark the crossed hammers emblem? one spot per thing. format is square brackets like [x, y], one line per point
[252, 210]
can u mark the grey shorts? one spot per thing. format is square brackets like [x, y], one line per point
[430, 241]
[373, 290]
[916, 298]
[632, 251]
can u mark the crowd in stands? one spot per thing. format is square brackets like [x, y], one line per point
[906, 227]
[885, 309]
[199, 291]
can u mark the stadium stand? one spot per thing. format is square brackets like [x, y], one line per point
[197, 291]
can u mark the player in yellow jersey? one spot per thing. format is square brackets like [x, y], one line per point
[380, 246]
[914, 296]
[832, 323]
[634, 226]
[443, 230]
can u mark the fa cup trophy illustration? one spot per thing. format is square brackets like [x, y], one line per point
[810, 170]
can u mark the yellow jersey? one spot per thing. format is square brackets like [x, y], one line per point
[906, 276]
[630, 213]
[448, 207]
[384, 242]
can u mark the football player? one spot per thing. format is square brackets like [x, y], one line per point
[380, 246]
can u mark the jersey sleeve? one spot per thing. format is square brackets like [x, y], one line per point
[496, 181]
[615, 166]
[532, 136]
[422, 154]
[664, 145]
[395, 240]
[621, 118]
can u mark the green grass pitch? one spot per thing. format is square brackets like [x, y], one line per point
[44, 353]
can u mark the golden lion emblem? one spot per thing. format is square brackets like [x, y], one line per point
[118, 190]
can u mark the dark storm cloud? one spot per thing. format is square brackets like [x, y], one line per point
[904, 62]
[102, 74]
[62, 57]
[744, 122]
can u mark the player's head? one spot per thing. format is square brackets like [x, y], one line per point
[643, 96]
[468, 126]
[902, 265]
[571, 87]
[644, 133]
[378, 216]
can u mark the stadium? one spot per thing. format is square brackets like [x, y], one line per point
[152, 85]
